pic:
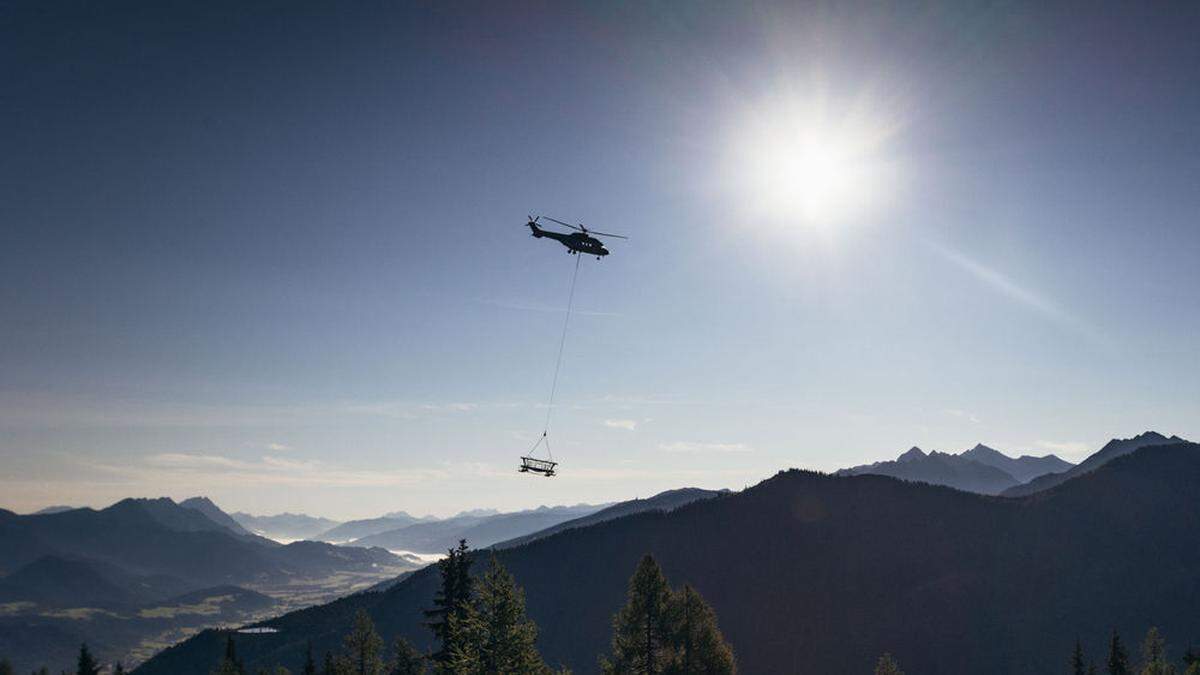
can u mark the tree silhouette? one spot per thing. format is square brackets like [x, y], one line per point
[697, 644]
[310, 666]
[1077, 662]
[453, 599]
[886, 665]
[86, 664]
[494, 635]
[6, 667]
[1154, 659]
[329, 665]
[407, 660]
[364, 648]
[118, 669]
[230, 664]
[1118, 660]
[640, 629]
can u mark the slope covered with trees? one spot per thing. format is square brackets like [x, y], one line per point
[812, 573]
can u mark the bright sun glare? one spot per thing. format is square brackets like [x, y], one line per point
[800, 167]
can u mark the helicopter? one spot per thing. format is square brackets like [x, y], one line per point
[576, 242]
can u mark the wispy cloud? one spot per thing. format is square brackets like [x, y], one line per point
[1068, 448]
[170, 468]
[538, 307]
[690, 447]
[628, 425]
[1009, 288]
[278, 447]
[962, 414]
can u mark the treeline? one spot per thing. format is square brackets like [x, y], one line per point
[480, 627]
[86, 664]
[1153, 661]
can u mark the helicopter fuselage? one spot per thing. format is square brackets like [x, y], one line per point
[576, 242]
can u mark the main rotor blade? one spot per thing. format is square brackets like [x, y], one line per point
[605, 234]
[573, 227]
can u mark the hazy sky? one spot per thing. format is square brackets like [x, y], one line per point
[276, 255]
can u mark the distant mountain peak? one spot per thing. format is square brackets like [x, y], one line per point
[914, 453]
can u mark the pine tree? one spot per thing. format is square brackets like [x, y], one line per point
[1154, 659]
[118, 669]
[641, 632]
[407, 660]
[452, 600]
[310, 666]
[1118, 660]
[6, 667]
[1077, 665]
[696, 642]
[329, 666]
[886, 665]
[494, 635]
[364, 648]
[86, 665]
[230, 664]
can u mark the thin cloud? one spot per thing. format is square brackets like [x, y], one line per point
[210, 469]
[628, 425]
[537, 307]
[963, 414]
[1007, 287]
[689, 447]
[1069, 448]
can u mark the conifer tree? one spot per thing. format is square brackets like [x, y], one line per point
[453, 599]
[1154, 659]
[1118, 660]
[364, 648]
[118, 669]
[230, 664]
[310, 666]
[406, 660]
[329, 665]
[641, 633]
[494, 635]
[6, 667]
[697, 646]
[886, 665]
[1077, 664]
[86, 664]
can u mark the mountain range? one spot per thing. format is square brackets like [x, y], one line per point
[480, 531]
[815, 573]
[120, 576]
[285, 526]
[1111, 450]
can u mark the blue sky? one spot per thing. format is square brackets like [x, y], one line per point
[276, 255]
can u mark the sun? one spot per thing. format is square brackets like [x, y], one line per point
[801, 166]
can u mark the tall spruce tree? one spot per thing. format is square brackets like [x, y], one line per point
[886, 665]
[6, 667]
[1154, 655]
[641, 630]
[453, 600]
[364, 647]
[1118, 660]
[406, 660]
[86, 664]
[494, 635]
[697, 646]
[118, 669]
[329, 665]
[230, 664]
[1077, 661]
[310, 666]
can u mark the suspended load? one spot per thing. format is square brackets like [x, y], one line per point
[578, 242]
